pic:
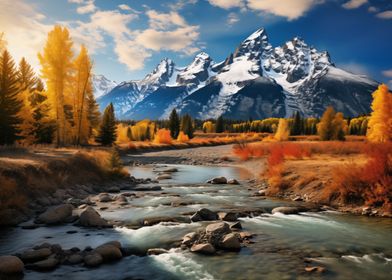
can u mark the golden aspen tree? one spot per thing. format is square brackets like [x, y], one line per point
[380, 121]
[57, 69]
[82, 85]
[283, 131]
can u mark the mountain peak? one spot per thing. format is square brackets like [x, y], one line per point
[259, 33]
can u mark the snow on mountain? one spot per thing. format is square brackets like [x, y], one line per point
[102, 85]
[256, 80]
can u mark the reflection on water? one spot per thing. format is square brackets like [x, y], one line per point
[350, 247]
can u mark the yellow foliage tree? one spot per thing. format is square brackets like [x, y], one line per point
[122, 133]
[82, 90]
[57, 68]
[380, 122]
[332, 125]
[208, 127]
[163, 137]
[283, 131]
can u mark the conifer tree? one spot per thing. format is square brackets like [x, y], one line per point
[57, 68]
[380, 121]
[93, 113]
[10, 104]
[220, 126]
[107, 132]
[3, 42]
[187, 125]
[297, 126]
[174, 124]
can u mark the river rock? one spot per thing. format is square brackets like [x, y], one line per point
[105, 197]
[91, 218]
[48, 264]
[236, 225]
[189, 238]
[35, 255]
[245, 235]
[204, 214]
[10, 265]
[114, 190]
[164, 177]
[93, 259]
[56, 214]
[228, 217]
[156, 251]
[319, 269]
[287, 210]
[170, 170]
[204, 248]
[75, 259]
[109, 252]
[121, 199]
[230, 241]
[218, 180]
[146, 189]
[233, 182]
[218, 228]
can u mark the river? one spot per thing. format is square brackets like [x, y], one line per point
[350, 247]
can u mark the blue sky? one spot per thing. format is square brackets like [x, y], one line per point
[128, 38]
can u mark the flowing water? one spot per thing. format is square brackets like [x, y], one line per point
[350, 247]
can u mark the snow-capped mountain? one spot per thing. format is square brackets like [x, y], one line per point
[255, 81]
[102, 85]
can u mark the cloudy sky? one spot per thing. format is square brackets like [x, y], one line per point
[127, 38]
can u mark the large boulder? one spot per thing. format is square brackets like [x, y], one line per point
[93, 259]
[91, 218]
[230, 241]
[220, 228]
[56, 214]
[232, 182]
[35, 255]
[164, 177]
[204, 214]
[218, 180]
[203, 248]
[109, 252]
[287, 210]
[10, 265]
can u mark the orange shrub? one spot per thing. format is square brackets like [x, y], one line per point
[369, 184]
[163, 137]
[182, 137]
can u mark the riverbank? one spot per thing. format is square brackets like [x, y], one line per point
[304, 179]
[34, 179]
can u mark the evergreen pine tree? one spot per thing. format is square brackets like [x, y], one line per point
[220, 126]
[107, 131]
[10, 104]
[174, 124]
[187, 126]
[297, 124]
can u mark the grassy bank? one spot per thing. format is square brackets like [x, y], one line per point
[33, 177]
[350, 175]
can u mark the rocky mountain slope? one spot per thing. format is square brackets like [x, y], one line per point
[255, 81]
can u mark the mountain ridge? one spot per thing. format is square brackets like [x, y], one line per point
[257, 80]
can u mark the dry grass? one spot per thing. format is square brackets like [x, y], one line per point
[27, 177]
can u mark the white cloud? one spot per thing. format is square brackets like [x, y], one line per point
[88, 7]
[24, 31]
[356, 68]
[385, 15]
[164, 21]
[232, 18]
[387, 73]
[285, 8]
[354, 4]
[181, 39]
[125, 7]
[227, 4]
[373, 9]
[181, 4]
